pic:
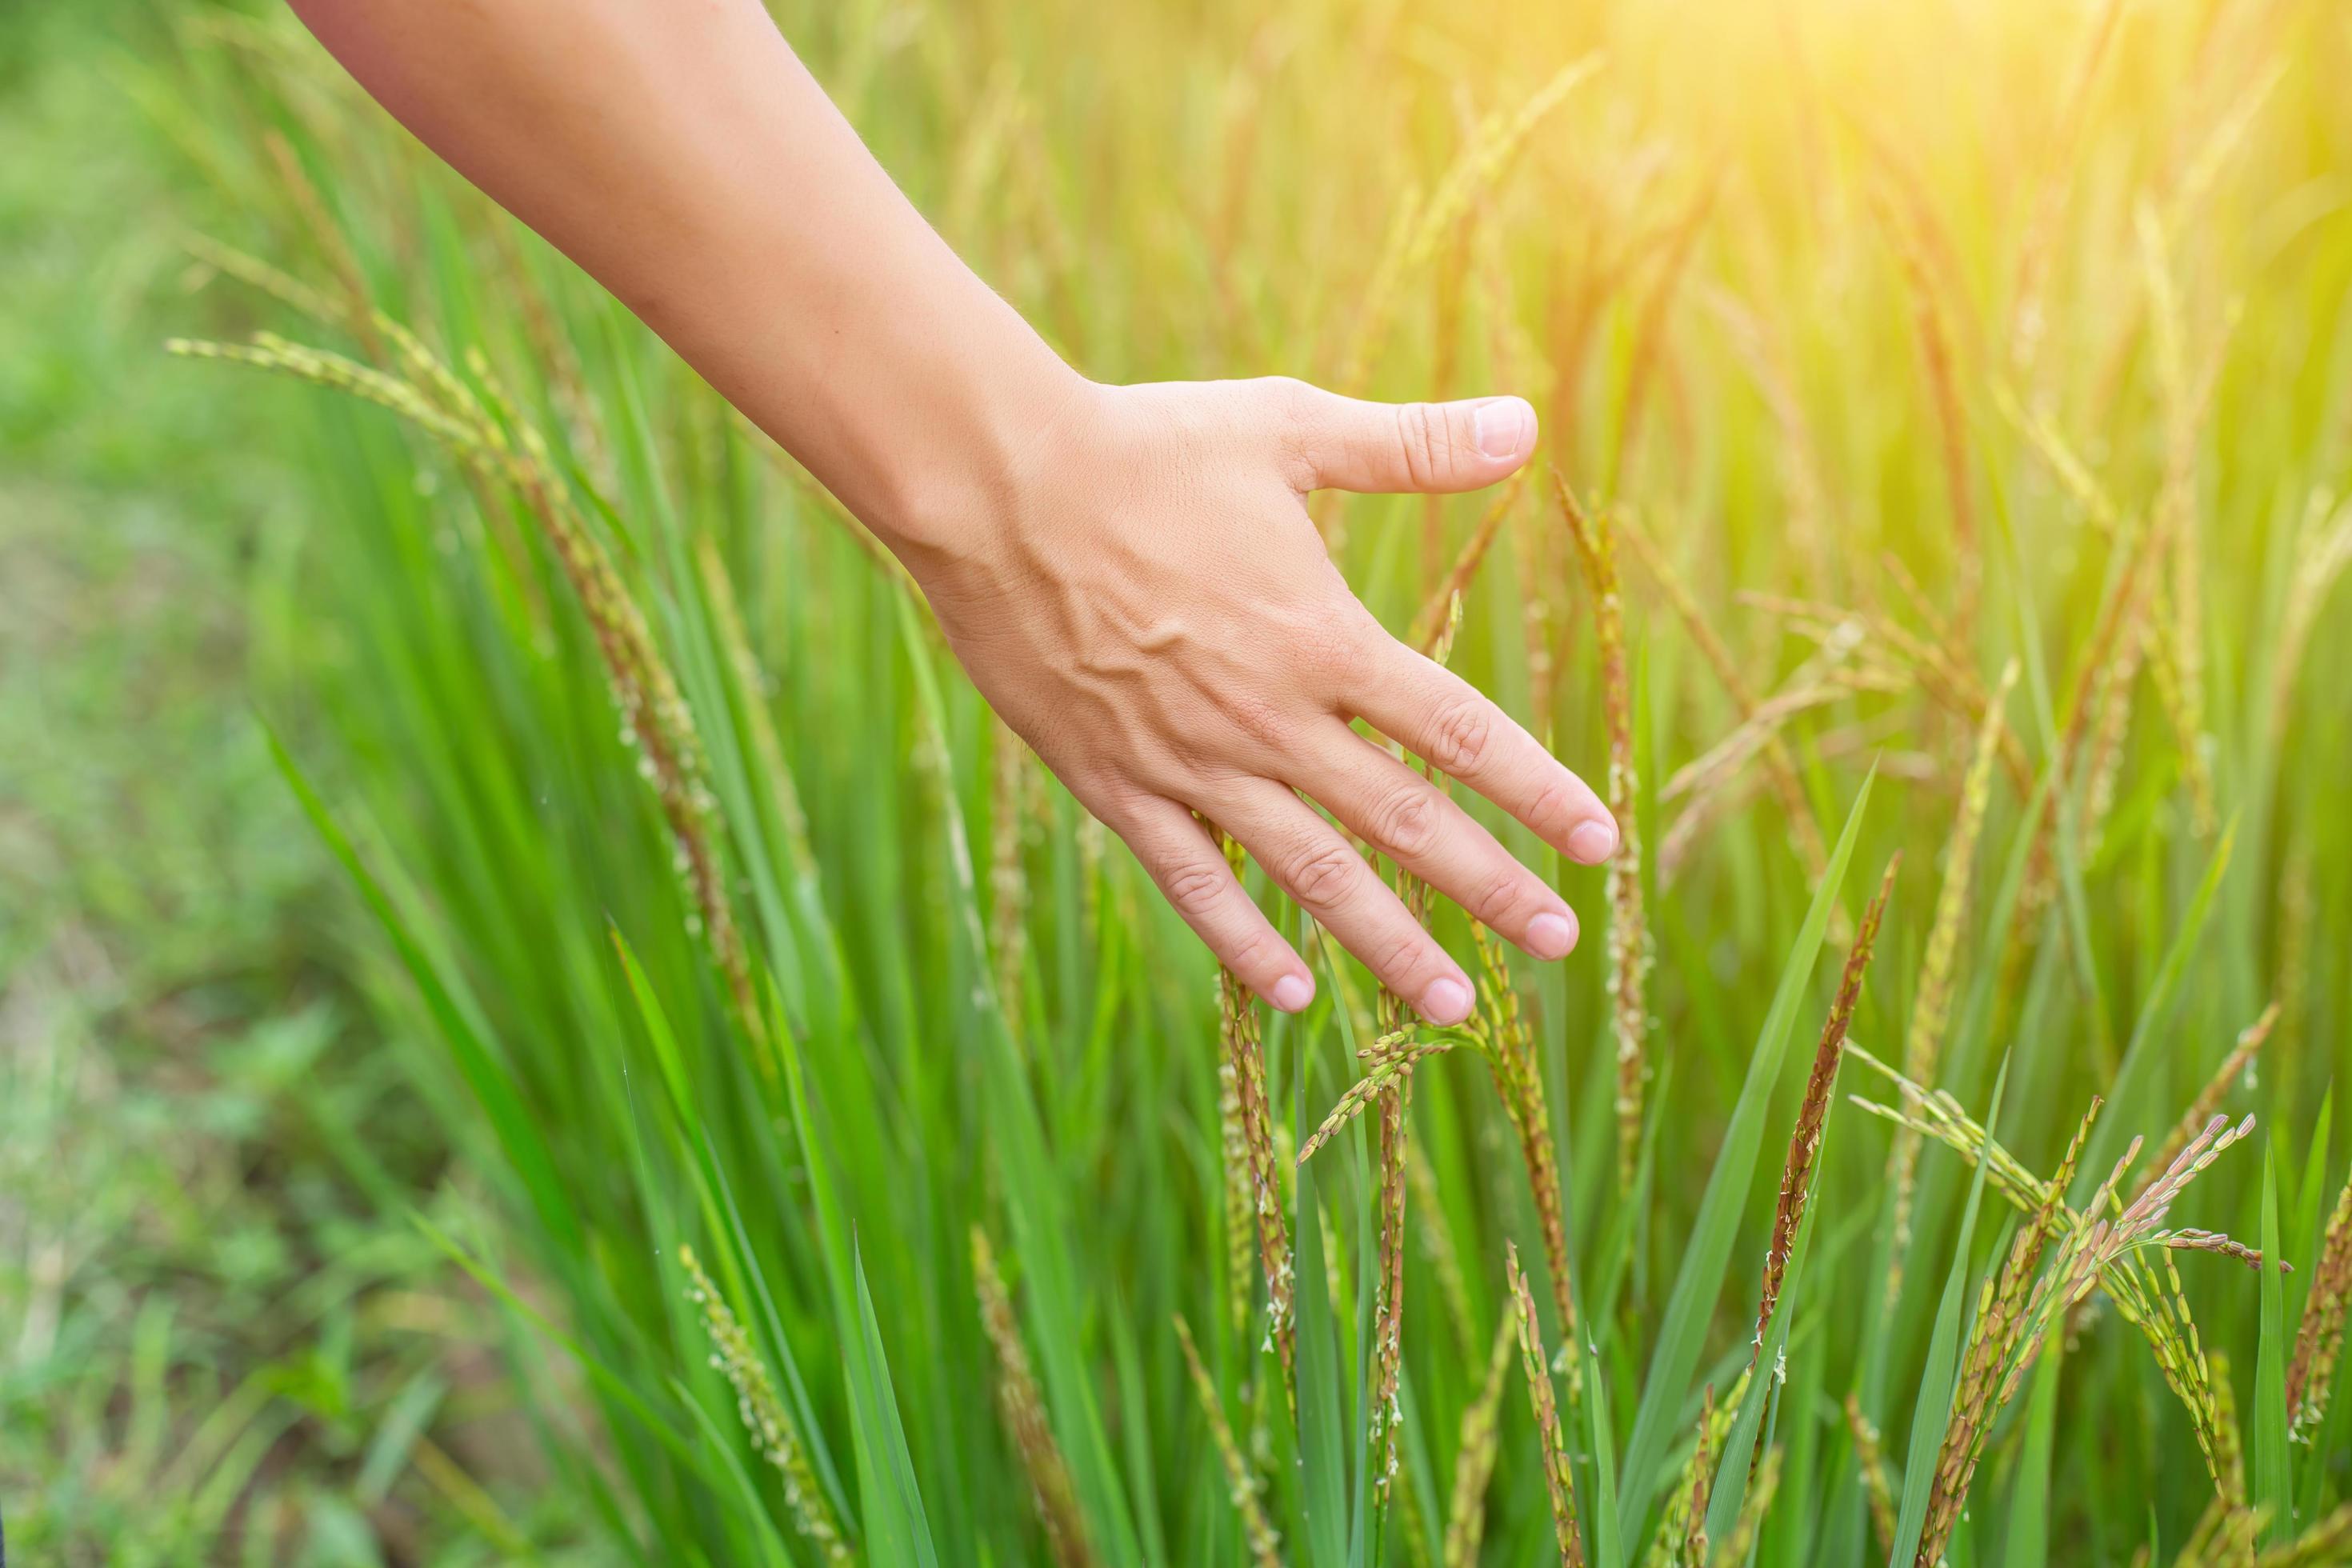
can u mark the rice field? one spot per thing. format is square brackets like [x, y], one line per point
[1934, 553]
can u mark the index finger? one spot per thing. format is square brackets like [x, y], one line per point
[1441, 717]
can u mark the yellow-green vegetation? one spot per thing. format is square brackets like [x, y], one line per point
[1948, 409]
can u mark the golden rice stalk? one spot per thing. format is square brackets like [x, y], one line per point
[2028, 315]
[1812, 1115]
[2323, 549]
[1438, 609]
[1871, 1454]
[1474, 1462]
[655, 717]
[255, 273]
[1241, 1048]
[1265, 1546]
[1706, 780]
[1734, 1549]
[2240, 1062]
[1628, 935]
[1930, 1011]
[2176, 531]
[1764, 355]
[1650, 325]
[1511, 1058]
[1020, 1404]
[2064, 463]
[1559, 1480]
[2321, 1337]
[1388, 1060]
[764, 1415]
[1241, 1227]
[1780, 766]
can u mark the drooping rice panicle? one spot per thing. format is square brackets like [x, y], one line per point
[1474, 1460]
[1629, 932]
[1388, 1060]
[1241, 1046]
[1560, 1479]
[1870, 1453]
[762, 1412]
[1395, 1103]
[2323, 550]
[2238, 1063]
[2320, 1338]
[1242, 1483]
[1510, 1056]
[1020, 1405]
[1931, 1008]
[655, 717]
[1813, 1114]
[1241, 1222]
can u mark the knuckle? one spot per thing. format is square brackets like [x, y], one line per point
[1420, 438]
[1251, 952]
[1461, 733]
[1194, 889]
[1549, 811]
[1405, 820]
[1504, 896]
[1322, 877]
[1398, 957]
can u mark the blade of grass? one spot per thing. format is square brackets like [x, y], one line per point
[1698, 1282]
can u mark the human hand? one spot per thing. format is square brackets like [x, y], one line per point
[1149, 606]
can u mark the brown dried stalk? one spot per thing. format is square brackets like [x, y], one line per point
[1265, 1546]
[1240, 1048]
[1629, 936]
[1020, 1404]
[1559, 1480]
[1812, 1115]
[764, 1415]
[1474, 1463]
[1931, 1009]
[2321, 1337]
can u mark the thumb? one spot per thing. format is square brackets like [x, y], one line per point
[1384, 447]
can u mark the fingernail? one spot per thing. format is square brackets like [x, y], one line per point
[1506, 427]
[1550, 935]
[1446, 1000]
[1292, 993]
[1594, 841]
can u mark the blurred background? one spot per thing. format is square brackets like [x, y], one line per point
[339, 1214]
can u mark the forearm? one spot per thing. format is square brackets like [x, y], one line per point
[680, 154]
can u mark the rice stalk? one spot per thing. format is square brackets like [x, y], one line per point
[2029, 316]
[764, 1415]
[1560, 1479]
[1812, 1113]
[1780, 766]
[1681, 1540]
[1242, 1483]
[2328, 1540]
[1650, 326]
[1241, 1048]
[2319, 1339]
[1442, 606]
[2323, 549]
[1509, 1049]
[1629, 934]
[1869, 1452]
[655, 717]
[1474, 1461]
[1387, 1296]
[1931, 1009]
[1021, 1404]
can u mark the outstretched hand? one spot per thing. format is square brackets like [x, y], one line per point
[1150, 607]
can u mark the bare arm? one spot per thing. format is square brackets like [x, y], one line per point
[1127, 573]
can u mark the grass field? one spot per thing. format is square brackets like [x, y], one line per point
[543, 1019]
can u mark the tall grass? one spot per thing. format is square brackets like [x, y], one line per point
[739, 927]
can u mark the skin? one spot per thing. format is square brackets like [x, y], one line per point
[1129, 573]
